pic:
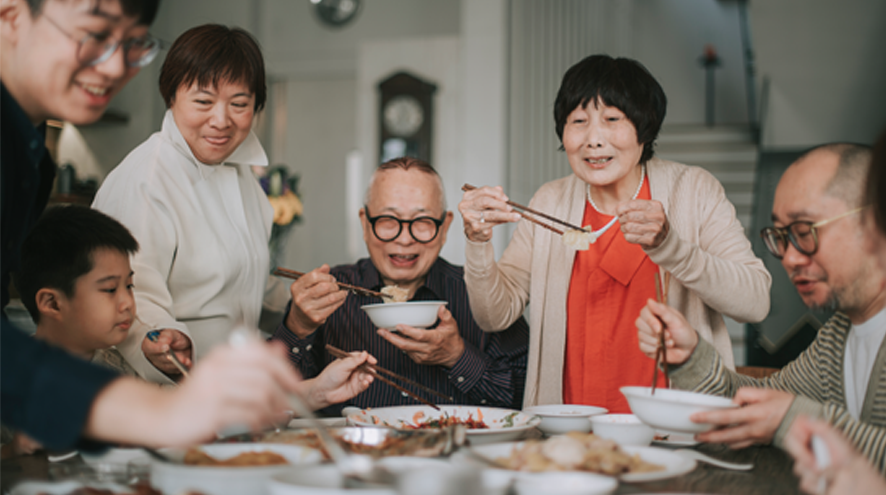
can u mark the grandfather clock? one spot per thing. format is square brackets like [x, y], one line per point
[406, 115]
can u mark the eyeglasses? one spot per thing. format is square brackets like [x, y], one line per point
[95, 48]
[802, 234]
[387, 228]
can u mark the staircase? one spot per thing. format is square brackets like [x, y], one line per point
[730, 154]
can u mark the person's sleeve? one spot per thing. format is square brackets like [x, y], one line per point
[499, 292]
[721, 268]
[46, 392]
[496, 375]
[301, 352]
[146, 214]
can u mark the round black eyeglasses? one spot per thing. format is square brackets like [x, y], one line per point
[802, 234]
[387, 228]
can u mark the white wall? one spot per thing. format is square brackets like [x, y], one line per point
[827, 69]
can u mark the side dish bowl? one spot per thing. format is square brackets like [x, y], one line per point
[625, 429]
[557, 419]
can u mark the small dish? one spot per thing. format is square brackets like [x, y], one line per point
[418, 314]
[557, 419]
[666, 439]
[670, 409]
[625, 429]
[116, 456]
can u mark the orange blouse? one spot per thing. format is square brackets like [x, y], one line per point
[610, 284]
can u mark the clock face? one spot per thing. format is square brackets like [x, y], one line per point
[403, 116]
[336, 13]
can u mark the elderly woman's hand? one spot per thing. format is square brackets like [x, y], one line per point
[643, 222]
[484, 208]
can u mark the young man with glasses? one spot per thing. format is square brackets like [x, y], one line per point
[66, 59]
[821, 238]
[405, 223]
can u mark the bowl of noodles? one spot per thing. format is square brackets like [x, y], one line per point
[484, 424]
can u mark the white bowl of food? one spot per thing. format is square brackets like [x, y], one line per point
[485, 424]
[565, 483]
[418, 314]
[625, 429]
[557, 419]
[670, 409]
[227, 469]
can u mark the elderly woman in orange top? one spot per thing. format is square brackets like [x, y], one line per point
[648, 216]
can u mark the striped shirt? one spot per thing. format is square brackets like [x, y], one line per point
[815, 377]
[490, 372]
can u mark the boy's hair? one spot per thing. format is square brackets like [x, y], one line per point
[211, 54]
[144, 10]
[60, 248]
[622, 83]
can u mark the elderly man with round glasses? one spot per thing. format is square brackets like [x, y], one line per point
[405, 223]
[841, 378]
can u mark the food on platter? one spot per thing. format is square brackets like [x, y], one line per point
[447, 420]
[138, 490]
[576, 452]
[196, 457]
[398, 294]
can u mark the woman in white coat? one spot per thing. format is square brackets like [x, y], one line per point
[189, 197]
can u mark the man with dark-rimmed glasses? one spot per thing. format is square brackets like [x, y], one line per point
[819, 234]
[405, 222]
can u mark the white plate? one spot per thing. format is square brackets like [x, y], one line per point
[226, 480]
[117, 456]
[675, 439]
[306, 423]
[63, 487]
[504, 424]
[674, 464]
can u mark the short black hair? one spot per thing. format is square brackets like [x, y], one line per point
[60, 247]
[848, 182]
[144, 10]
[210, 54]
[622, 83]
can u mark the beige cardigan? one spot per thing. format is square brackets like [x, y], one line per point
[712, 266]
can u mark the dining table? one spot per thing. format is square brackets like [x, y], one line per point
[772, 473]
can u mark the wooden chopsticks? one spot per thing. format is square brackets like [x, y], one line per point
[661, 354]
[374, 370]
[468, 187]
[283, 272]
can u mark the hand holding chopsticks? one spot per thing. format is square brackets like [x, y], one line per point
[375, 371]
[661, 354]
[283, 272]
[524, 211]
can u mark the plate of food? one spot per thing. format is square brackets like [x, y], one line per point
[227, 468]
[484, 424]
[378, 442]
[583, 452]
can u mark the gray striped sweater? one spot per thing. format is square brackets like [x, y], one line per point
[815, 377]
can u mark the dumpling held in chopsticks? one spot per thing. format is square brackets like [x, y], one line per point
[580, 240]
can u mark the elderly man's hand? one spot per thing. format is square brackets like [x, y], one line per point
[315, 296]
[760, 413]
[441, 346]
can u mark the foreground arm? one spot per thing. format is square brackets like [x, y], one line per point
[848, 472]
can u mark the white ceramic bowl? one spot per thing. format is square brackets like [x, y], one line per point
[563, 418]
[226, 480]
[324, 479]
[116, 456]
[670, 409]
[625, 429]
[504, 424]
[418, 314]
[565, 483]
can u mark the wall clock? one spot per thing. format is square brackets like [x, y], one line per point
[336, 13]
[405, 117]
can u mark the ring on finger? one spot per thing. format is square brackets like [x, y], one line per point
[482, 218]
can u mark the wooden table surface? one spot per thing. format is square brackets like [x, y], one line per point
[771, 474]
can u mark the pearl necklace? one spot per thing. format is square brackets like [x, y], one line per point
[595, 234]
